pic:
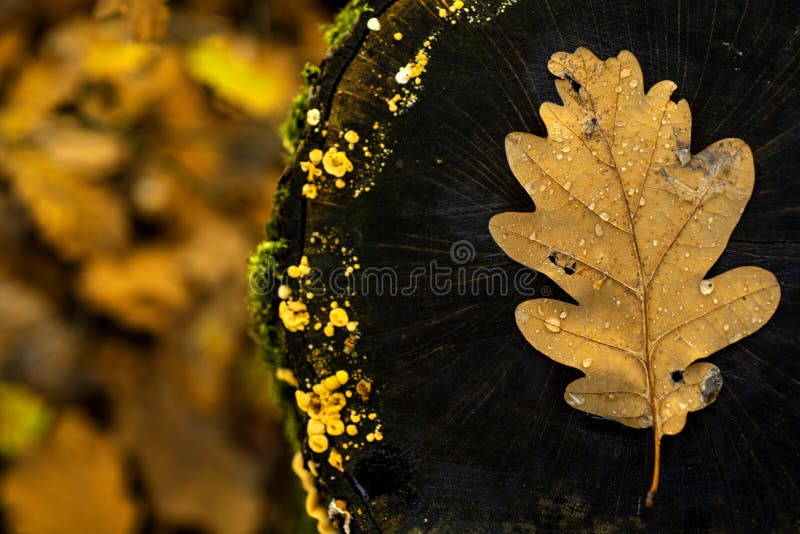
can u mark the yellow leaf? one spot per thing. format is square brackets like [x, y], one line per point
[628, 223]
[144, 290]
[111, 60]
[40, 88]
[236, 76]
[77, 218]
[73, 483]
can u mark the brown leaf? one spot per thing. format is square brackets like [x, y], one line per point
[629, 223]
[194, 473]
[73, 483]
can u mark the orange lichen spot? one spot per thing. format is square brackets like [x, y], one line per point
[328, 330]
[351, 430]
[336, 163]
[286, 375]
[340, 184]
[370, 437]
[372, 416]
[398, 36]
[338, 317]
[335, 459]
[354, 417]
[352, 326]
[294, 315]
[318, 443]
[310, 191]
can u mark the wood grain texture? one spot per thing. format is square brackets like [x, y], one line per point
[477, 435]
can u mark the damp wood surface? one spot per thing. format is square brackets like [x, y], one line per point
[476, 434]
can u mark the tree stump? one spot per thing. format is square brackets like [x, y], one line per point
[470, 430]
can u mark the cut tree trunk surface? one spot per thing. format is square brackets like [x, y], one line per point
[476, 436]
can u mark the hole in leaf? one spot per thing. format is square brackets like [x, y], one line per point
[574, 83]
[569, 269]
[677, 376]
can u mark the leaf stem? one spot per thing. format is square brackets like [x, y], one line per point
[651, 493]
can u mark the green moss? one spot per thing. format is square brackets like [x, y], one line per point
[336, 32]
[264, 273]
[295, 124]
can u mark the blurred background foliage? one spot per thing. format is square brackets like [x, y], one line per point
[138, 157]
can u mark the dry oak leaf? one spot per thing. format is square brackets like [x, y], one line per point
[628, 223]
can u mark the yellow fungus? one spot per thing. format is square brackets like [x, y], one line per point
[309, 191]
[315, 427]
[398, 36]
[318, 443]
[335, 459]
[331, 383]
[286, 375]
[336, 162]
[300, 270]
[328, 330]
[302, 399]
[315, 156]
[352, 430]
[284, 292]
[311, 170]
[294, 315]
[342, 377]
[312, 117]
[337, 401]
[392, 103]
[338, 317]
[335, 427]
[339, 183]
[351, 137]
[363, 388]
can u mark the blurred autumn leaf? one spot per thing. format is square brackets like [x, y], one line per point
[23, 419]
[138, 158]
[148, 18]
[78, 474]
